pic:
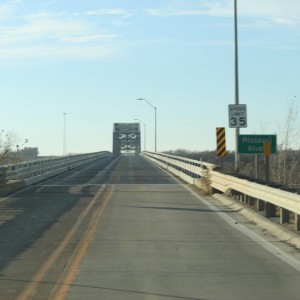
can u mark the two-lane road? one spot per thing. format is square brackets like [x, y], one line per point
[124, 229]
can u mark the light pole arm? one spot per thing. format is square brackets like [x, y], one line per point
[142, 99]
[155, 121]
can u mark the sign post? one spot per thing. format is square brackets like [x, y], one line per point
[236, 82]
[267, 153]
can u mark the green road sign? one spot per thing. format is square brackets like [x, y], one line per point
[254, 143]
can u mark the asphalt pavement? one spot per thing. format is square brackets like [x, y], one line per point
[124, 229]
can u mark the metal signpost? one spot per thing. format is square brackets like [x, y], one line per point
[236, 82]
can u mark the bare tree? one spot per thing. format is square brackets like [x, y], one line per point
[288, 135]
[10, 147]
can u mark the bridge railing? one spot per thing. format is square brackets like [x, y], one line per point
[40, 169]
[273, 201]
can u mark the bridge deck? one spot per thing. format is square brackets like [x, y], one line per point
[124, 229]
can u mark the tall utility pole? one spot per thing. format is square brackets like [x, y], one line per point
[236, 63]
[64, 135]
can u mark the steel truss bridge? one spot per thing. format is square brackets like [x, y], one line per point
[126, 138]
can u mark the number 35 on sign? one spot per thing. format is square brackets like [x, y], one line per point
[237, 115]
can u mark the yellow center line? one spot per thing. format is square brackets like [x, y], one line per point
[30, 289]
[69, 276]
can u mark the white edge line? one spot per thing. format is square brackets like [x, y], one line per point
[291, 261]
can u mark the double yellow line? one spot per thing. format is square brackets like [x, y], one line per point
[63, 284]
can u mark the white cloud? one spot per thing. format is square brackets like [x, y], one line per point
[90, 38]
[281, 12]
[57, 52]
[277, 11]
[7, 9]
[113, 11]
[203, 8]
[191, 12]
[40, 28]
[284, 21]
[46, 35]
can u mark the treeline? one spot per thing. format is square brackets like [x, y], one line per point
[284, 166]
[29, 153]
[19, 155]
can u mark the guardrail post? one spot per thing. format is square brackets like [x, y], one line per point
[284, 216]
[297, 222]
[270, 210]
[251, 201]
[2, 176]
[260, 205]
[239, 197]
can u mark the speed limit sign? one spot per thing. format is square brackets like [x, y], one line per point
[237, 115]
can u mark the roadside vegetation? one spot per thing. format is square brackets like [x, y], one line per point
[13, 150]
[284, 166]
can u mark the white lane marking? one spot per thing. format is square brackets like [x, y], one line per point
[69, 185]
[291, 261]
[99, 184]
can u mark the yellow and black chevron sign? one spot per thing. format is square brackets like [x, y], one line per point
[221, 141]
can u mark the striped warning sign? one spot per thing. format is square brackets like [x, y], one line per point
[221, 141]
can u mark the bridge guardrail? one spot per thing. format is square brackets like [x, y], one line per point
[32, 171]
[271, 200]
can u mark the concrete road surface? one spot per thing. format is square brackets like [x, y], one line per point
[124, 229]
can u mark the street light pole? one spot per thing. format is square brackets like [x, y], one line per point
[144, 132]
[155, 108]
[155, 121]
[236, 67]
[64, 135]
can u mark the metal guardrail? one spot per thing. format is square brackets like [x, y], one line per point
[274, 202]
[30, 169]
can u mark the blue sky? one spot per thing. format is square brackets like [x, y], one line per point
[92, 59]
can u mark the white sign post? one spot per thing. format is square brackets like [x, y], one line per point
[237, 115]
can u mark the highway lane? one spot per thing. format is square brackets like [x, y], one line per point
[35, 220]
[124, 229]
